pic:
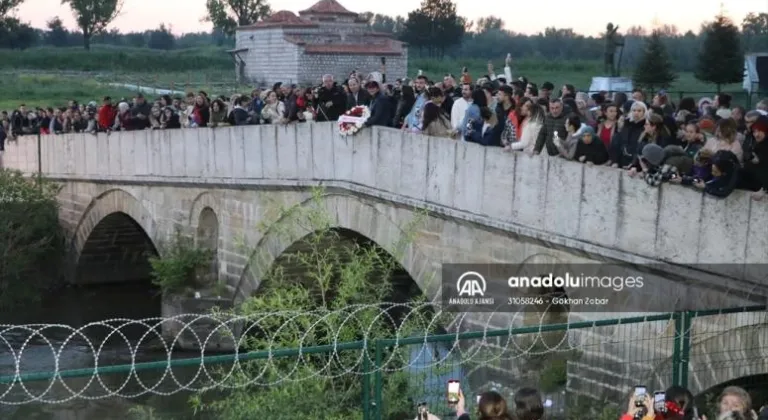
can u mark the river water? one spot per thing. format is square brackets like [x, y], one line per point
[77, 307]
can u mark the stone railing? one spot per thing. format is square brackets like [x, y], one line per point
[598, 210]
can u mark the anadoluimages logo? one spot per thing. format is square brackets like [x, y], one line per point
[471, 284]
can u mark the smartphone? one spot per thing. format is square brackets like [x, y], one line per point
[422, 407]
[640, 393]
[453, 391]
[478, 399]
[659, 398]
[383, 60]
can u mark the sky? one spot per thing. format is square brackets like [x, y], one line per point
[522, 16]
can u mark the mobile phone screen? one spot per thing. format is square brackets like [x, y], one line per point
[658, 400]
[453, 391]
[478, 399]
[640, 391]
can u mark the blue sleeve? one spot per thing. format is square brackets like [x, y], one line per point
[473, 113]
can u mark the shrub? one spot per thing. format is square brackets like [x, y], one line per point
[30, 238]
[183, 269]
[329, 280]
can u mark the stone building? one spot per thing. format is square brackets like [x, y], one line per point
[326, 38]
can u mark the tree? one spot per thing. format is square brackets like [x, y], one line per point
[31, 238]
[755, 30]
[93, 16]
[654, 69]
[435, 26]
[161, 39]
[720, 59]
[486, 24]
[227, 15]
[57, 35]
[8, 6]
[16, 35]
[322, 281]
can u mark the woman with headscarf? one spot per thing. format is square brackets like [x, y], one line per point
[624, 146]
[589, 149]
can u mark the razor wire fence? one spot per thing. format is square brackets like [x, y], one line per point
[572, 363]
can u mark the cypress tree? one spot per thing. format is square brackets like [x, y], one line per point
[655, 68]
[721, 60]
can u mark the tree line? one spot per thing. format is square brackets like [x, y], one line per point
[433, 30]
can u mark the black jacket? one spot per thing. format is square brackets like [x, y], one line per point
[381, 111]
[240, 116]
[338, 98]
[624, 145]
[363, 98]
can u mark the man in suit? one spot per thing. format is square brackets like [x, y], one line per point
[381, 106]
[356, 96]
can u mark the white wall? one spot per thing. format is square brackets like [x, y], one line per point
[270, 58]
[597, 210]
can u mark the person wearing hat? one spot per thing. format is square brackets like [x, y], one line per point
[590, 149]
[381, 106]
[755, 172]
[725, 175]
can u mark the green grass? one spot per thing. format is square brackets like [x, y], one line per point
[117, 59]
[577, 73]
[53, 76]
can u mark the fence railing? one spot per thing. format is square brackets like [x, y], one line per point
[575, 364]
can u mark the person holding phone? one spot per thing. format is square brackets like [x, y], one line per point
[491, 406]
[640, 406]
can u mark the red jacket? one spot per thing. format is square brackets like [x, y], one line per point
[107, 114]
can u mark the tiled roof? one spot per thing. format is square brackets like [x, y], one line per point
[351, 49]
[280, 19]
[294, 40]
[328, 7]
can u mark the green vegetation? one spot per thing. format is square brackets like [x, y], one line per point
[117, 59]
[721, 59]
[212, 71]
[330, 272]
[655, 68]
[30, 238]
[183, 269]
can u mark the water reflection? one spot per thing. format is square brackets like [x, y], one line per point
[74, 308]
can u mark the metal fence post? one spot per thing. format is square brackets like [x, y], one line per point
[682, 349]
[378, 381]
[685, 353]
[366, 383]
[677, 349]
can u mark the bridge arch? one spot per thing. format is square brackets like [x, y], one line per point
[113, 240]
[351, 214]
[718, 355]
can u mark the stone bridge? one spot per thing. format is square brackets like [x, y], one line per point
[124, 194]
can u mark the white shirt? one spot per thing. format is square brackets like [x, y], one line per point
[457, 112]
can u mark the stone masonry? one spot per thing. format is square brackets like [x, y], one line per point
[484, 206]
[324, 39]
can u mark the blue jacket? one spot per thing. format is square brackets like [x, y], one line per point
[381, 111]
[414, 117]
[468, 123]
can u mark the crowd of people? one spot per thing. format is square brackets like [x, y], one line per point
[734, 403]
[708, 144]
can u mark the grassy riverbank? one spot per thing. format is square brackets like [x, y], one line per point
[51, 76]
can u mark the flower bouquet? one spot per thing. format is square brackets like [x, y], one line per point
[352, 121]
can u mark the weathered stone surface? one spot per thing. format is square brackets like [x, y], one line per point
[520, 219]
